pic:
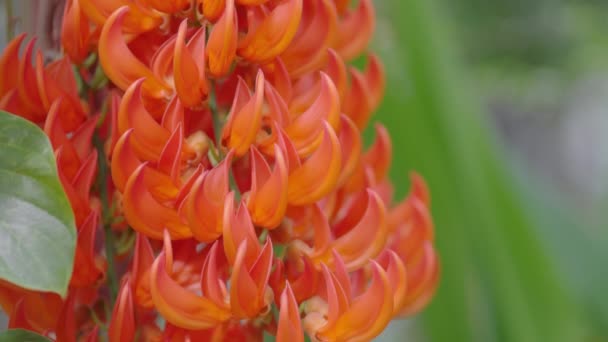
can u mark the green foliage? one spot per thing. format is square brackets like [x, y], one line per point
[36, 220]
[19, 335]
[499, 283]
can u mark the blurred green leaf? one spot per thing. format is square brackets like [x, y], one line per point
[498, 282]
[36, 220]
[19, 335]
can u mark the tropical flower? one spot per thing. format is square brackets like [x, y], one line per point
[229, 160]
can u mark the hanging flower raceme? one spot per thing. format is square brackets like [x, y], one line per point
[239, 198]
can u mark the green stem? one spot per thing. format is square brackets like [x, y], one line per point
[10, 20]
[217, 131]
[215, 117]
[102, 177]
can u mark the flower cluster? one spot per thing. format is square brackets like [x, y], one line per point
[232, 181]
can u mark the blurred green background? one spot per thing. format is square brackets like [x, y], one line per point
[503, 108]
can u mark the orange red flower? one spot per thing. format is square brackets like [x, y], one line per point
[231, 134]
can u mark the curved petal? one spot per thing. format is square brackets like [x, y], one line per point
[238, 228]
[278, 76]
[309, 182]
[273, 34]
[27, 84]
[211, 283]
[290, 325]
[350, 141]
[368, 314]
[145, 214]
[149, 137]
[305, 130]
[75, 32]
[119, 63]
[143, 257]
[87, 271]
[169, 161]
[379, 155]
[308, 49]
[122, 323]
[357, 99]
[267, 201]
[422, 279]
[189, 66]
[336, 70]
[366, 239]
[355, 30]
[222, 44]
[179, 306]
[212, 9]
[375, 77]
[246, 123]
[138, 19]
[9, 65]
[248, 286]
[167, 6]
[397, 276]
[204, 206]
[124, 161]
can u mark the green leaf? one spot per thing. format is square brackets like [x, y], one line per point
[36, 221]
[20, 335]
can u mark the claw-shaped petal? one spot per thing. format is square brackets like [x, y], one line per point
[249, 291]
[138, 19]
[238, 228]
[9, 65]
[245, 118]
[122, 324]
[267, 200]
[290, 325]
[204, 206]
[167, 6]
[212, 284]
[144, 213]
[169, 161]
[53, 84]
[362, 233]
[305, 130]
[211, 10]
[189, 66]
[309, 182]
[148, 138]
[357, 101]
[376, 80]
[423, 278]
[278, 76]
[87, 268]
[350, 141]
[367, 315]
[119, 63]
[75, 33]
[355, 30]
[379, 155]
[270, 37]
[178, 305]
[124, 161]
[143, 257]
[222, 44]
[308, 49]
[397, 276]
[336, 70]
